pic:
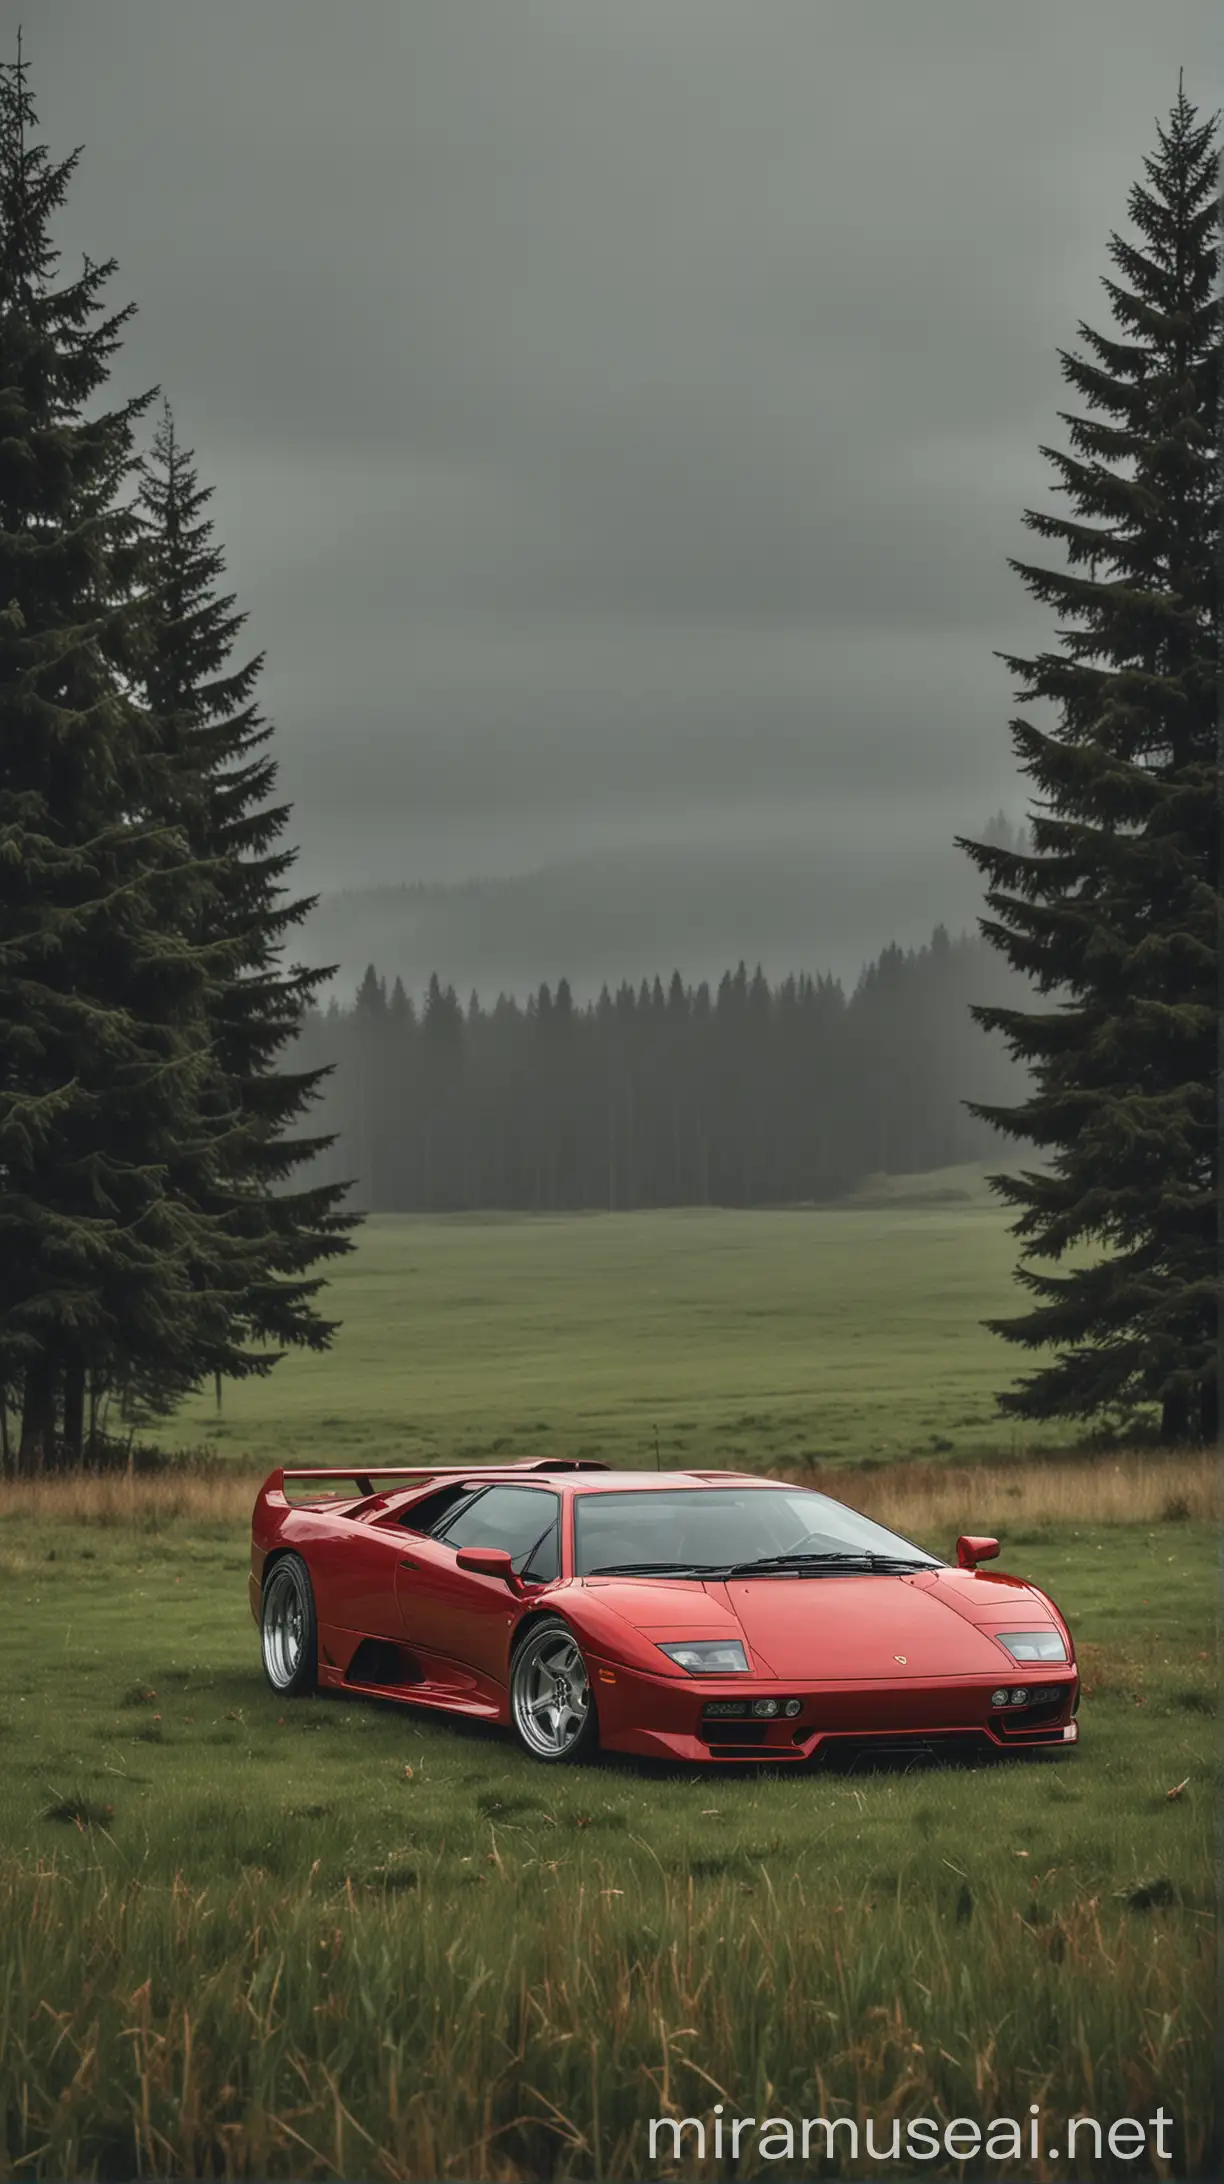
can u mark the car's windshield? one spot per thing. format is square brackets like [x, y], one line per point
[719, 1527]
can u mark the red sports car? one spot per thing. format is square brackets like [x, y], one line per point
[702, 1615]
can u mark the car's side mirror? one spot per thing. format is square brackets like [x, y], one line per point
[488, 1562]
[972, 1548]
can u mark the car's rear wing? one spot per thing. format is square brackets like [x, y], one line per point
[332, 1479]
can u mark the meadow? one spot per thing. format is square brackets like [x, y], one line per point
[333, 1938]
[830, 1334]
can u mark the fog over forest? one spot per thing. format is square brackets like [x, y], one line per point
[622, 913]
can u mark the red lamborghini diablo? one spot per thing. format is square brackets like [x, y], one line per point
[703, 1615]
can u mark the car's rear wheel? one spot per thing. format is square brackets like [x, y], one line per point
[552, 1706]
[289, 1629]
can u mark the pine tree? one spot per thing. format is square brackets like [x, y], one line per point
[103, 1032]
[222, 783]
[442, 1056]
[1115, 912]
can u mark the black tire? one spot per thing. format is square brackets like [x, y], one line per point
[289, 1629]
[559, 1726]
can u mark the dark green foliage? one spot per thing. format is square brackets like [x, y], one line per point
[657, 1096]
[224, 777]
[145, 1234]
[102, 1036]
[1115, 910]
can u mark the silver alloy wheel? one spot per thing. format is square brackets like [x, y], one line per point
[283, 1626]
[551, 1697]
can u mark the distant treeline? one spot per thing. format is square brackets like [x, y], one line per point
[743, 1094]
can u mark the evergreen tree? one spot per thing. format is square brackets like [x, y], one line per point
[1116, 909]
[443, 1056]
[223, 779]
[654, 1096]
[103, 1006]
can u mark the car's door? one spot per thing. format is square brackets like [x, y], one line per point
[457, 1620]
[353, 1562]
[352, 1566]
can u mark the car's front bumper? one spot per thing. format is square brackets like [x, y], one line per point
[661, 1717]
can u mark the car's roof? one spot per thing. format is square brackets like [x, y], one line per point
[593, 1481]
[570, 1477]
[608, 1482]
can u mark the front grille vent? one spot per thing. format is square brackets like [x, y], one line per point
[735, 1732]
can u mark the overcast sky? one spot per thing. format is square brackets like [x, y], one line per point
[620, 413]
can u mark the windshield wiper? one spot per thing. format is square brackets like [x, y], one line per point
[655, 1569]
[859, 1559]
[794, 1564]
[802, 1562]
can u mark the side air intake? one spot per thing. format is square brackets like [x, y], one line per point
[379, 1664]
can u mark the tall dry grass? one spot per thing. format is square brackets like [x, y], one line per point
[1133, 1488]
[148, 1501]
[924, 1499]
[531, 2031]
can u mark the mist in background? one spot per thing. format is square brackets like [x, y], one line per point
[642, 911]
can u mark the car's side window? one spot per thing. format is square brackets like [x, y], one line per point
[428, 1514]
[544, 1562]
[513, 1517]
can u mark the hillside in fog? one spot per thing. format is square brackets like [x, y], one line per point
[628, 913]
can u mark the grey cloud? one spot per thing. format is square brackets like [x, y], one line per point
[621, 413]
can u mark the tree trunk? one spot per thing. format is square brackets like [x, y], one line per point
[1175, 1418]
[74, 1413]
[1209, 1412]
[37, 1447]
[91, 1438]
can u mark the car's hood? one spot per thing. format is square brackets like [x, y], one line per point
[857, 1627]
[838, 1627]
[662, 1608]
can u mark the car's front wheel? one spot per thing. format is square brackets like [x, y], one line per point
[288, 1628]
[552, 1706]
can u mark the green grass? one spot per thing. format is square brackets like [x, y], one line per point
[835, 1334]
[250, 1938]
[258, 1938]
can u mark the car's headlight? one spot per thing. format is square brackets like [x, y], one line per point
[1033, 1645]
[709, 1656]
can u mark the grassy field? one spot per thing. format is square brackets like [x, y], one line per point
[758, 1337]
[250, 1938]
[332, 1938]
